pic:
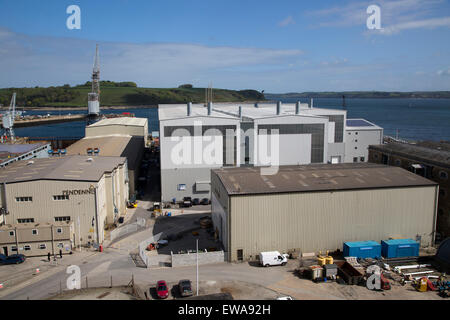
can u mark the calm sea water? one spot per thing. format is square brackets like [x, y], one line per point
[415, 119]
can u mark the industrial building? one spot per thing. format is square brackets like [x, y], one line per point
[11, 152]
[116, 137]
[37, 239]
[319, 207]
[360, 134]
[428, 159]
[235, 135]
[89, 191]
[127, 126]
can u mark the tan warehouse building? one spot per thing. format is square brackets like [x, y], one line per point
[91, 192]
[318, 207]
[127, 126]
[37, 239]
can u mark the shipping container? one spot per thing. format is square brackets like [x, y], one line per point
[362, 249]
[398, 248]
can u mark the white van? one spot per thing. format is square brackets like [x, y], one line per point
[272, 258]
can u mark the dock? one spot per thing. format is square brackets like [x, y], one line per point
[48, 120]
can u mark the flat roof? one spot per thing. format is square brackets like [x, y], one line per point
[360, 124]
[321, 177]
[110, 146]
[71, 168]
[125, 121]
[179, 111]
[421, 153]
[8, 150]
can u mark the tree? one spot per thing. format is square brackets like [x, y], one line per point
[186, 86]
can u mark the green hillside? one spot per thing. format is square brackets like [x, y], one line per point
[119, 94]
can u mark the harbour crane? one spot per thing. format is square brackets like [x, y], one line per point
[94, 95]
[8, 120]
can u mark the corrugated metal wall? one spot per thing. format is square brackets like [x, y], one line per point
[324, 220]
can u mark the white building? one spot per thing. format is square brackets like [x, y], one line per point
[359, 135]
[243, 135]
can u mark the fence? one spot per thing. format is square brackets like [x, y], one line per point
[143, 252]
[127, 229]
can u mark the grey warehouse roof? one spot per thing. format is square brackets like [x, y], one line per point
[322, 177]
[125, 121]
[73, 168]
[427, 153]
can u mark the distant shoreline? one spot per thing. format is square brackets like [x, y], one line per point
[84, 108]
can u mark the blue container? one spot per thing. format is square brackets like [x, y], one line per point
[362, 249]
[398, 248]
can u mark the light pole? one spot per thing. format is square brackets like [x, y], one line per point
[197, 267]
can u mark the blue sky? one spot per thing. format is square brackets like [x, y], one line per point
[276, 46]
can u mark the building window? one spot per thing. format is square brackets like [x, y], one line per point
[25, 220]
[362, 159]
[356, 140]
[356, 133]
[443, 175]
[59, 219]
[355, 159]
[398, 162]
[356, 148]
[11, 233]
[43, 246]
[59, 230]
[181, 187]
[35, 231]
[27, 247]
[13, 248]
[24, 199]
[60, 245]
[61, 197]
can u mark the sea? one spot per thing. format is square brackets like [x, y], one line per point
[409, 119]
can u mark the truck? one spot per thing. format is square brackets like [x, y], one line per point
[272, 258]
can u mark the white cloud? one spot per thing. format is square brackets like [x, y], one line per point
[444, 72]
[32, 60]
[287, 21]
[396, 15]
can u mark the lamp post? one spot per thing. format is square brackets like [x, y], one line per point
[197, 266]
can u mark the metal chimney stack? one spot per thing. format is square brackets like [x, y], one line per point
[297, 107]
[189, 108]
[240, 112]
[256, 105]
[209, 108]
[278, 107]
[311, 105]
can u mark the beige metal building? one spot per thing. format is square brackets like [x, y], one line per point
[119, 126]
[318, 207]
[130, 147]
[37, 239]
[91, 192]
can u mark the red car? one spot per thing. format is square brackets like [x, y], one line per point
[161, 289]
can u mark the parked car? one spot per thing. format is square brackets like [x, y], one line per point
[12, 259]
[195, 201]
[161, 289]
[187, 202]
[204, 201]
[272, 258]
[185, 288]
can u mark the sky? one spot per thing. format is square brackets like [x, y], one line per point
[275, 46]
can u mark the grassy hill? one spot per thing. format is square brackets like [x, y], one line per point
[119, 94]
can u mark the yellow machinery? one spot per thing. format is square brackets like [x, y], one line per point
[422, 285]
[323, 260]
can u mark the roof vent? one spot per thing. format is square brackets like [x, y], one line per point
[90, 160]
[30, 162]
[209, 108]
[311, 105]
[278, 107]
[297, 107]
[240, 112]
[189, 108]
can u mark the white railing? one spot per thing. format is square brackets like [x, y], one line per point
[126, 229]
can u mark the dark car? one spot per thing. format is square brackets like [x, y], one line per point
[12, 259]
[187, 202]
[185, 288]
[205, 201]
[161, 289]
[195, 201]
